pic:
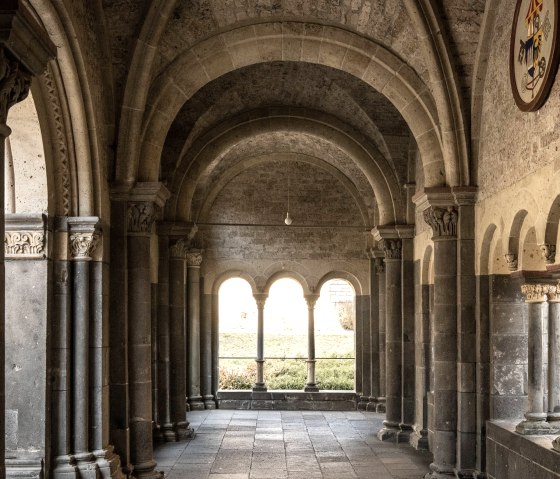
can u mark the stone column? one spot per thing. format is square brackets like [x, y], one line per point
[443, 221]
[535, 418]
[83, 240]
[363, 317]
[24, 51]
[374, 320]
[393, 339]
[554, 357]
[260, 298]
[194, 260]
[206, 351]
[108, 462]
[311, 385]
[164, 385]
[141, 216]
[215, 345]
[380, 269]
[177, 344]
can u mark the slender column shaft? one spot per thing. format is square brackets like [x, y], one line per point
[393, 352]
[141, 217]
[374, 333]
[154, 350]
[82, 241]
[554, 361]
[259, 384]
[177, 342]
[535, 417]
[311, 382]
[215, 344]
[163, 341]
[382, 334]
[206, 352]
[407, 338]
[194, 260]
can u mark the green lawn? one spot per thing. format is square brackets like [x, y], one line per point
[337, 372]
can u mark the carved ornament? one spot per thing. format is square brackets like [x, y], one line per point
[535, 293]
[179, 249]
[392, 248]
[194, 259]
[83, 244]
[548, 253]
[24, 244]
[443, 221]
[141, 217]
[379, 265]
[511, 260]
[14, 84]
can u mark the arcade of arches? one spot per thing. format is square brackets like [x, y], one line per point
[152, 149]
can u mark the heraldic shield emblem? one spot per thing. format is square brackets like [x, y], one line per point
[534, 51]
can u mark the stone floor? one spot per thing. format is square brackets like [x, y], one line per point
[288, 444]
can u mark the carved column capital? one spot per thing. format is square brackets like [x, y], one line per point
[179, 249]
[14, 83]
[554, 293]
[82, 245]
[538, 292]
[392, 247]
[379, 265]
[511, 260]
[548, 253]
[194, 258]
[311, 300]
[442, 220]
[141, 216]
[260, 299]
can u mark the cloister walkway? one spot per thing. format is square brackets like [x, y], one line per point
[288, 444]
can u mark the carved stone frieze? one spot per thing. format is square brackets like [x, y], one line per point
[443, 221]
[548, 253]
[24, 244]
[141, 216]
[194, 258]
[392, 247]
[538, 292]
[379, 265]
[511, 261]
[14, 83]
[83, 244]
[179, 249]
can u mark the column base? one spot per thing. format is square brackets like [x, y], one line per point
[146, 470]
[168, 433]
[440, 472]
[389, 431]
[311, 388]
[87, 465]
[556, 444]
[180, 430]
[534, 427]
[419, 440]
[65, 467]
[404, 433]
[109, 463]
[363, 403]
[209, 402]
[196, 404]
[25, 464]
[260, 387]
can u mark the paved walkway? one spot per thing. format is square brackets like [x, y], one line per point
[288, 444]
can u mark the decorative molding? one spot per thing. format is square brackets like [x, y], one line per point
[14, 83]
[379, 265]
[179, 249]
[311, 300]
[83, 244]
[194, 259]
[141, 216]
[260, 299]
[24, 244]
[392, 248]
[538, 292]
[511, 260]
[443, 221]
[60, 145]
[548, 253]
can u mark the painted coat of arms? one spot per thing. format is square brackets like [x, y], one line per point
[533, 51]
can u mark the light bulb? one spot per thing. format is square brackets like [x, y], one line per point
[288, 220]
